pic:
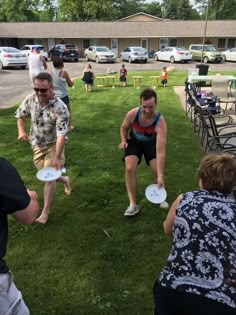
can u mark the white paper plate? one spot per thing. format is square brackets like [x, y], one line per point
[155, 194]
[48, 174]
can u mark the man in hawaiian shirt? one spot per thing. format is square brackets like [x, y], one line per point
[49, 125]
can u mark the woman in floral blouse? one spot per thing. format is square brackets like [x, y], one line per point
[198, 278]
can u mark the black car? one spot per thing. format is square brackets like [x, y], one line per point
[68, 52]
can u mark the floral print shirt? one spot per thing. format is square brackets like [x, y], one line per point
[204, 246]
[47, 123]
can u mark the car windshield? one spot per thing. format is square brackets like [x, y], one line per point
[39, 47]
[139, 49]
[11, 50]
[102, 49]
[179, 49]
[70, 46]
[209, 48]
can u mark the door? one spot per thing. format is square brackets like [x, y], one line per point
[51, 43]
[144, 43]
[114, 46]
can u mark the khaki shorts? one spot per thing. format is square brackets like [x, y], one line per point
[43, 157]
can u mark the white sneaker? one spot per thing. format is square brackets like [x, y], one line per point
[131, 210]
[164, 205]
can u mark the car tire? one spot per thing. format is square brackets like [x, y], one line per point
[172, 59]
[156, 57]
[145, 61]
[76, 60]
[86, 57]
[97, 59]
[130, 61]
[205, 59]
[24, 67]
[1, 66]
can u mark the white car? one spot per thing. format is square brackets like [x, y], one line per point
[173, 54]
[229, 55]
[131, 54]
[12, 57]
[99, 54]
[28, 48]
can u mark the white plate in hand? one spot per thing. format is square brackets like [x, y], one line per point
[155, 194]
[48, 174]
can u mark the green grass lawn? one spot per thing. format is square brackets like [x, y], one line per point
[89, 259]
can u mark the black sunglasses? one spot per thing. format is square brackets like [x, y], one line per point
[41, 90]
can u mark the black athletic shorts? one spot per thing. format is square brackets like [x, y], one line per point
[139, 148]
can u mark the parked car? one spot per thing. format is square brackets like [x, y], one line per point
[12, 57]
[68, 52]
[131, 54]
[229, 55]
[99, 54]
[173, 54]
[151, 53]
[28, 48]
[210, 54]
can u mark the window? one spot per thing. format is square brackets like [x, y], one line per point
[86, 43]
[231, 43]
[95, 42]
[221, 43]
[173, 42]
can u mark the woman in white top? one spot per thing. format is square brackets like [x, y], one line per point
[61, 79]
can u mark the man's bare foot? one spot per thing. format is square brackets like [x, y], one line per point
[43, 218]
[67, 185]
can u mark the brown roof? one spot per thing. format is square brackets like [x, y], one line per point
[141, 16]
[118, 29]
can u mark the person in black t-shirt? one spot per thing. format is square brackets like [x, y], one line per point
[88, 78]
[15, 199]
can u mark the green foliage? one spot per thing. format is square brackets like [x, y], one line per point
[152, 8]
[90, 259]
[218, 9]
[179, 10]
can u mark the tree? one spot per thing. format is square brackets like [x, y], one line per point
[184, 10]
[218, 9]
[18, 11]
[153, 8]
[123, 8]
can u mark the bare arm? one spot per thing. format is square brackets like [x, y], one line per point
[29, 214]
[124, 128]
[59, 148]
[69, 82]
[21, 125]
[169, 221]
[44, 62]
[161, 150]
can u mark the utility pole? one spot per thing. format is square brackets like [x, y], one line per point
[204, 36]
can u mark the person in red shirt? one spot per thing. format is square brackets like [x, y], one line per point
[164, 76]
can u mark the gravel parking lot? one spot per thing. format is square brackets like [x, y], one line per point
[15, 83]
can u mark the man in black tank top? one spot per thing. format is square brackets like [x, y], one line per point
[143, 132]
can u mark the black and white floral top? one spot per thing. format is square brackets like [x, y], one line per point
[46, 123]
[204, 246]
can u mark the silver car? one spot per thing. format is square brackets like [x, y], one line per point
[12, 57]
[99, 54]
[229, 55]
[131, 54]
[173, 54]
[28, 48]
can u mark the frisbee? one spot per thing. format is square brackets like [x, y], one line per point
[48, 174]
[155, 194]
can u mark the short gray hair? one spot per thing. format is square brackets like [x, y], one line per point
[42, 76]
